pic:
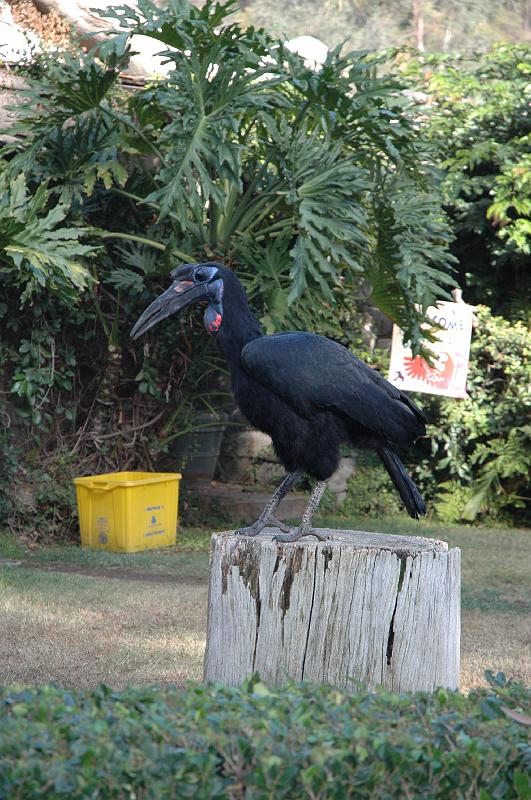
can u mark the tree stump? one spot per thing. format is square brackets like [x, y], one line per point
[362, 607]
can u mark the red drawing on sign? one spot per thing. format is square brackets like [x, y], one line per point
[439, 375]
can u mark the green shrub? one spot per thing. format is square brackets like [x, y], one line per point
[370, 492]
[480, 459]
[37, 497]
[8, 467]
[477, 116]
[255, 742]
[450, 500]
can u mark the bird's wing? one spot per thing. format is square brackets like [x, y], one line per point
[313, 373]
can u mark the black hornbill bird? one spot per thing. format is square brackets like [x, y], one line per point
[307, 392]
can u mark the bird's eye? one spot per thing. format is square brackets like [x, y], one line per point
[200, 275]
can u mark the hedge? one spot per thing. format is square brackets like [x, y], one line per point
[295, 741]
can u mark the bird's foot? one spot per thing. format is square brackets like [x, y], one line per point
[298, 533]
[252, 530]
[278, 524]
[258, 526]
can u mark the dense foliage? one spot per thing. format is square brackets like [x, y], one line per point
[477, 114]
[480, 447]
[286, 742]
[315, 180]
[318, 188]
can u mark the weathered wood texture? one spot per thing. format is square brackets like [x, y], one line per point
[369, 607]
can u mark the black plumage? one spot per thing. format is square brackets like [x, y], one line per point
[307, 392]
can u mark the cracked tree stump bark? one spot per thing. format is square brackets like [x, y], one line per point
[361, 607]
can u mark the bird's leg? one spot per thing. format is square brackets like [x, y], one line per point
[267, 515]
[305, 528]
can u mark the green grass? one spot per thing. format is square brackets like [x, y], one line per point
[79, 630]
[141, 617]
[188, 558]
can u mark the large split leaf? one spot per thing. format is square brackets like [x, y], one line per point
[36, 249]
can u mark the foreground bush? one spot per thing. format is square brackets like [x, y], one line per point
[291, 742]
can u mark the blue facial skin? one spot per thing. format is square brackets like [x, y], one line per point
[213, 316]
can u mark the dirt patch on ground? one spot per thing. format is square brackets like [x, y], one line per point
[115, 573]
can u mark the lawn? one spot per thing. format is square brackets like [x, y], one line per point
[81, 617]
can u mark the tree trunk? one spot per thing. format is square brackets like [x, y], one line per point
[11, 95]
[368, 607]
[104, 414]
[418, 24]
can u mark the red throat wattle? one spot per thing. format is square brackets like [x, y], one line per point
[215, 325]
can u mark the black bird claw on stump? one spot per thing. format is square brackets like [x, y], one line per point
[258, 526]
[298, 533]
[251, 530]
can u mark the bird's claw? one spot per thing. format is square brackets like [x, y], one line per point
[278, 524]
[252, 530]
[257, 527]
[298, 533]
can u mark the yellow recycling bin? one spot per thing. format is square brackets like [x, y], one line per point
[128, 511]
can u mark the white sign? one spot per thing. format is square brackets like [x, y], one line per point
[448, 372]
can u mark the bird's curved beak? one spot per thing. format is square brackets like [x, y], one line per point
[180, 295]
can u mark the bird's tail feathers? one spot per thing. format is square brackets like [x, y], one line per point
[405, 487]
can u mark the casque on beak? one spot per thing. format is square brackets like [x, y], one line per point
[180, 295]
